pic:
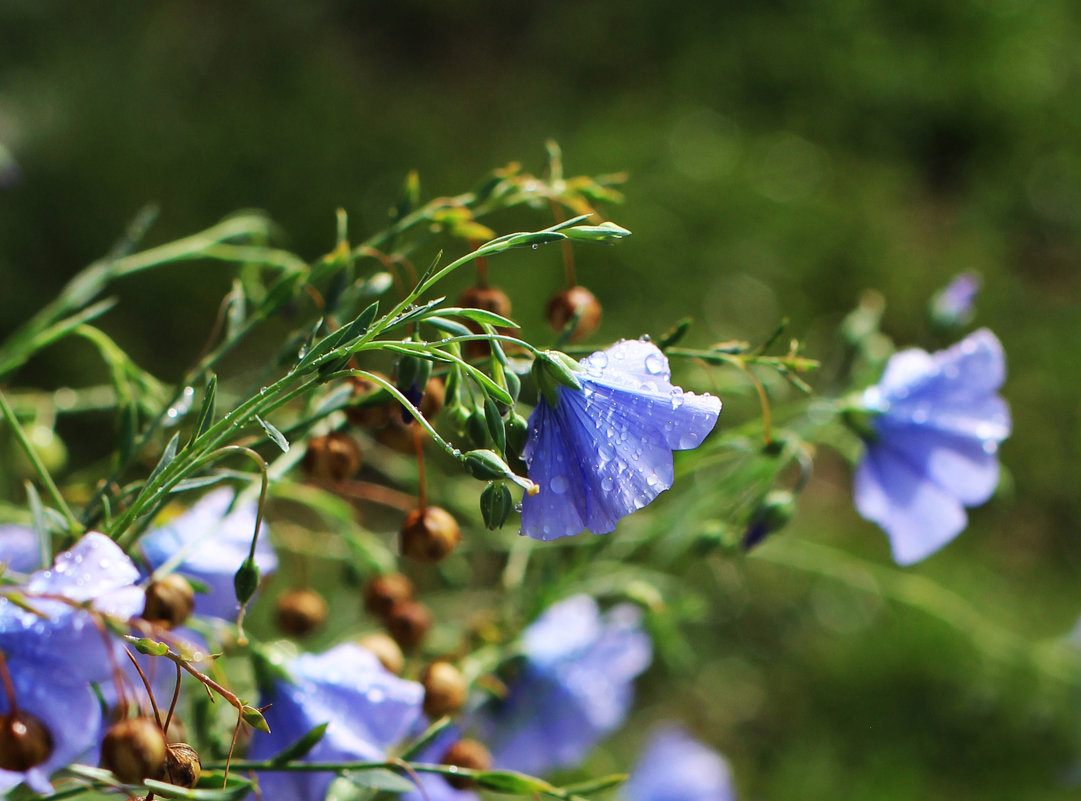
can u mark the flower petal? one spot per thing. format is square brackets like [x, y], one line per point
[19, 548]
[676, 767]
[918, 515]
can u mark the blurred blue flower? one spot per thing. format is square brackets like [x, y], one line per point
[209, 546]
[954, 304]
[52, 658]
[676, 767]
[20, 549]
[574, 686]
[937, 422]
[368, 708]
[606, 451]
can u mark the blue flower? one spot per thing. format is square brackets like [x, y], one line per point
[953, 306]
[209, 546]
[368, 709]
[575, 686]
[53, 657]
[605, 451]
[20, 549]
[676, 767]
[934, 446]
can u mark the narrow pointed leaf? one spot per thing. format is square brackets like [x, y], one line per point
[274, 434]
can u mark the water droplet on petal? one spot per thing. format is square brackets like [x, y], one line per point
[655, 363]
[559, 485]
[607, 484]
[688, 441]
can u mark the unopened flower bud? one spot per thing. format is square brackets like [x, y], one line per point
[495, 505]
[385, 649]
[300, 612]
[169, 601]
[408, 622]
[182, 766]
[570, 303]
[134, 750]
[246, 580]
[25, 742]
[429, 535]
[383, 592]
[772, 514]
[466, 754]
[444, 689]
[517, 433]
[333, 457]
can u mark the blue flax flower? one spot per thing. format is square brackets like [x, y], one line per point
[605, 451]
[574, 686]
[20, 549]
[676, 767]
[53, 657]
[209, 546]
[954, 304]
[368, 709]
[934, 446]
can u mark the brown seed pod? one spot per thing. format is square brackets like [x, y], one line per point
[134, 750]
[385, 650]
[333, 457]
[382, 592]
[488, 298]
[445, 690]
[369, 415]
[182, 766]
[25, 742]
[169, 601]
[576, 300]
[466, 754]
[429, 535]
[300, 612]
[408, 622]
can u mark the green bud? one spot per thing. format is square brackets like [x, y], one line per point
[495, 505]
[517, 432]
[476, 429]
[254, 718]
[494, 421]
[408, 371]
[485, 464]
[605, 232]
[772, 514]
[514, 384]
[246, 581]
[144, 645]
[551, 369]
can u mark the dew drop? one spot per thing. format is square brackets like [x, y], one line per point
[559, 485]
[607, 484]
[990, 447]
[688, 441]
[655, 363]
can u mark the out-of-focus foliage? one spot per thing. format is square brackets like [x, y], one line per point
[783, 157]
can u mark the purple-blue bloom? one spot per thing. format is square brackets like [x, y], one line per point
[575, 686]
[605, 451]
[20, 549]
[206, 544]
[53, 659]
[934, 448]
[954, 303]
[676, 767]
[368, 708]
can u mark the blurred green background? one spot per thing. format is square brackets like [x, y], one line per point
[783, 157]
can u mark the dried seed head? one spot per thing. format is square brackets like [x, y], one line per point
[408, 622]
[565, 305]
[382, 592]
[385, 650]
[334, 457]
[429, 535]
[169, 601]
[466, 754]
[300, 612]
[444, 689]
[182, 766]
[25, 742]
[134, 750]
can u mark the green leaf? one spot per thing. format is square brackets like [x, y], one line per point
[254, 718]
[199, 482]
[381, 779]
[236, 789]
[507, 781]
[596, 785]
[274, 434]
[37, 509]
[449, 326]
[236, 310]
[166, 458]
[481, 316]
[206, 412]
[426, 737]
[302, 747]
